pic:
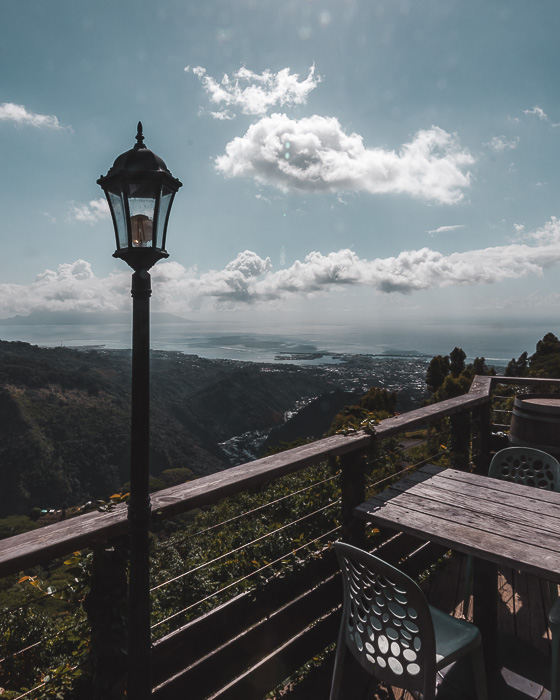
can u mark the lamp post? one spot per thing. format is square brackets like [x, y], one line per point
[140, 191]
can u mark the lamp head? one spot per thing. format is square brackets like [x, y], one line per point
[140, 191]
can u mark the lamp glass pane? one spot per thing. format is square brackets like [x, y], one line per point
[120, 220]
[141, 203]
[164, 204]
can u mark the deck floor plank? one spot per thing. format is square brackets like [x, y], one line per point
[506, 610]
[524, 609]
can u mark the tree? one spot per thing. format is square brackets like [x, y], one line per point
[377, 404]
[479, 366]
[548, 344]
[447, 376]
[517, 368]
[545, 362]
[437, 370]
[457, 361]
[452, 387]
[379, 400]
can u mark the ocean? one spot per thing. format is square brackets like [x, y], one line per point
[312, 344]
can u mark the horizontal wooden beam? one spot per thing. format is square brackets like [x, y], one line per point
[525, 381]
[59, 539]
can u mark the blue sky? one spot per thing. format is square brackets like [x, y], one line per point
[351, 161]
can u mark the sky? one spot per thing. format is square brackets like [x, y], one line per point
[374, 162]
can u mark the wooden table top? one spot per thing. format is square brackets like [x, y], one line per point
[499, 521]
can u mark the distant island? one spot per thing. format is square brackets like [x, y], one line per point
[344, 356]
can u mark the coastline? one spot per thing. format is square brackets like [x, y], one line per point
[309, 345]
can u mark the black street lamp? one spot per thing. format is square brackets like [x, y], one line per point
[140, 191]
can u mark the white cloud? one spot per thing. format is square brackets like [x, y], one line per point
[20, 115]
[314, 154]
[547, 235]
[249, 264]
[251, 280]
[537, 111]
[96, 210]
[501, 143]
[445, 229]
[255, 93]
[417, 269]
[234, 284]
[223, 116]
[71, 287]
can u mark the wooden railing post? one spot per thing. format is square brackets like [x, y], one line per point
[481, 438]
[106, 608]
[353, 492]
[460, 440]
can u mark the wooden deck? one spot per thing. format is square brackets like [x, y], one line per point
[523, 620]
[522, 615]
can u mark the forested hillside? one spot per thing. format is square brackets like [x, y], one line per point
[544, 362]
[65, 417]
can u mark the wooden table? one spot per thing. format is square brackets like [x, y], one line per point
[498, 522]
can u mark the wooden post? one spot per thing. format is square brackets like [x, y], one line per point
[106, 608]
[485, 609]
[481, 438]
[353, 486]
[353, 492]
[460, 439]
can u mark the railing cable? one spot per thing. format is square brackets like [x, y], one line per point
[244, 578]
[258, 508]
[31, 601]
[243, 546]
[43, 641]
[403, 471]
[46, 683]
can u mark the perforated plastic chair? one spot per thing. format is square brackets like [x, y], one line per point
[393, 633]
[522, 465]
[526, 465]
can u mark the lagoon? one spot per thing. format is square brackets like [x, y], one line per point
[311, 344]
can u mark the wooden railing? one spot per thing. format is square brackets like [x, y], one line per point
[245, 647]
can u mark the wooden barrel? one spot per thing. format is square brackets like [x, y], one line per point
[536, 422]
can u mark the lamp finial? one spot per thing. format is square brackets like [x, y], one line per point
[139, 138]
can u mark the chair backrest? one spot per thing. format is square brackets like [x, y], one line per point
[387, 621]
[526, 465]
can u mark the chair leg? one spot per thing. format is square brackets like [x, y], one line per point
[479, 673]
[338, 666]
[555, 676]
[554, 620]
[429, 691]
